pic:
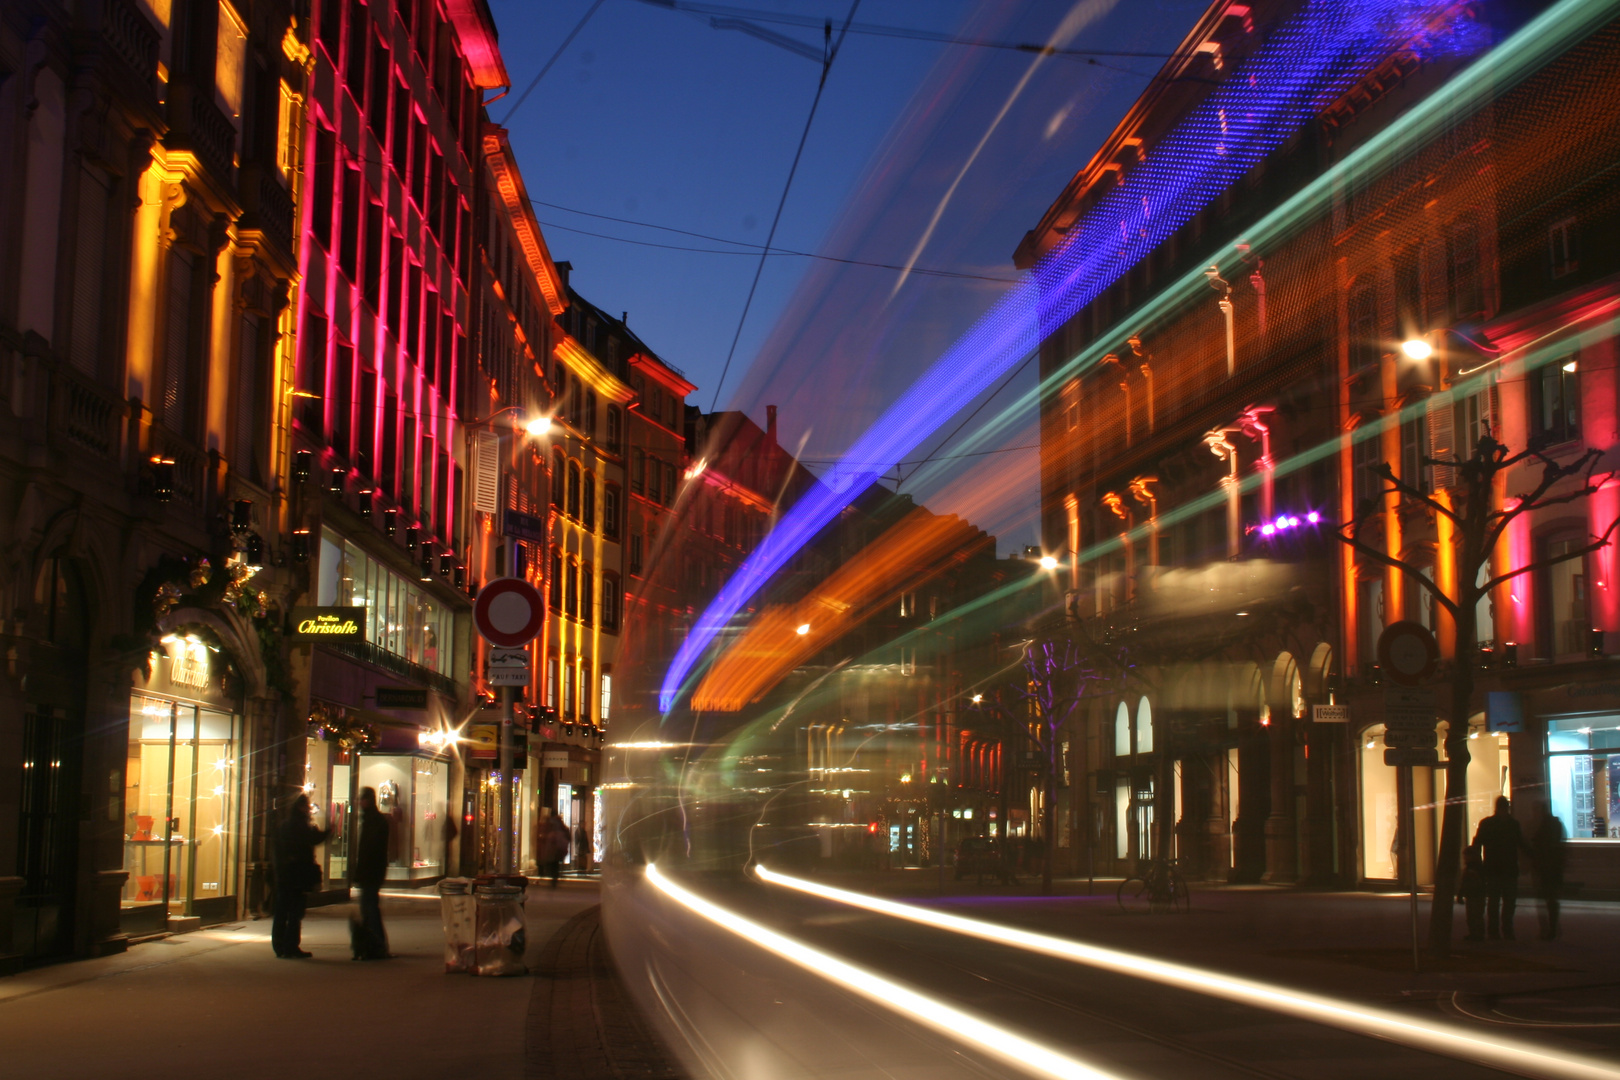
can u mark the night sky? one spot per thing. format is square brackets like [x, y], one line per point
[657, 117]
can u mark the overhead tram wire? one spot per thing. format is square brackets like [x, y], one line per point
[831, 53]
[752, 248]
[873, 29]
[567, 41]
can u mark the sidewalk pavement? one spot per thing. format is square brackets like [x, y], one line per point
[1355, 945]
[218, 1000]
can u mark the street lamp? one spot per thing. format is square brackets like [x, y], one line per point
[1048, 562]
[1417, 349]
[539, 426]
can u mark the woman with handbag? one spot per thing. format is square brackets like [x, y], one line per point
[297, 873]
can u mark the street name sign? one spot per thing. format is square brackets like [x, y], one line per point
[1330, 714]
[1417, 758]
[400, 697]
[509, 612]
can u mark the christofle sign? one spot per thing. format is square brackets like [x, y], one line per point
[329, 623]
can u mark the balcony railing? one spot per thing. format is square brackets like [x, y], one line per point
[266, 204]
[84, 414]
[129, 36]
[190, 465]
[200, 127]
[397, 665]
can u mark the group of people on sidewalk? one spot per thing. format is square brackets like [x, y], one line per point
[297, 873]
[1489, 889]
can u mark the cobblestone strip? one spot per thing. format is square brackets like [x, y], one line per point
[582, 1024]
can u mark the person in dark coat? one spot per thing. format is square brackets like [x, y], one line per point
[297, 873]
[370, 870]
[1500, 840]
[554, 844]
[1547, 863]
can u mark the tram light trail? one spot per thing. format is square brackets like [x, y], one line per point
[1509, 1055]
[954, 1023]
[1310, 60]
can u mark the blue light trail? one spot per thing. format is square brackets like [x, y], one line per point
[1307, 63]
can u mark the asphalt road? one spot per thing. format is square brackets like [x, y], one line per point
[735, 1002]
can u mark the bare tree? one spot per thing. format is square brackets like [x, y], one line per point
[1477, 526]
[1060, 672]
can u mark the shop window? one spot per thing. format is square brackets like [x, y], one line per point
[181, 792]
[412, 792]
[1556, 399]
[1583, 774]
[401, 618]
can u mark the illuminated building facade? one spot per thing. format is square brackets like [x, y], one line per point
[377, 445]
[1213, 415]
[656, 470]
[146, 233]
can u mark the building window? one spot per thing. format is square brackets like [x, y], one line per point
[1472, 421]
[611, 596]
[551, 682]
[615, 423]
[1365, 459]
[568, 690]
[1561, 248]
[556, 580]
[1556, 398]
[610, 511]
[558, 480]
[230, 59]
[1466, 276]
[573, 490]
[587, 422]
[587, 515]
[669, 484]
[1369, 618]
[1414, 447]
[908, 605]
[1366, 344]
[606, 706]
[587, 594]
[1565, 616]
[571, 590]
[635, 552]
[638, 471]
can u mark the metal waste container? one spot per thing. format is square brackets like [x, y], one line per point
[501, 930]
[456, 908]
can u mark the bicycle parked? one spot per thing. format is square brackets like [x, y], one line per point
[1157, 886]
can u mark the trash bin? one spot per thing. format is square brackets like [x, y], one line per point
[456, 907]
[501, 930]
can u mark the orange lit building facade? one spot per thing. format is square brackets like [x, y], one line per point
[148, 243]
[1242, 452]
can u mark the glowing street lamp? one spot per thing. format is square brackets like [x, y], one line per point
[540, 425]
[1417, 349]
[1048, 562]
[804, 628]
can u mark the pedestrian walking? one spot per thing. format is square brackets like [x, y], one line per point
[370, 870]
[554, 842]
[1500, 840]
[297, 873]
[1471, 892]
[582, 848]
[1547, 864]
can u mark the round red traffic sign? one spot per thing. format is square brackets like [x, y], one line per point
[1408, 652]
[509, 612]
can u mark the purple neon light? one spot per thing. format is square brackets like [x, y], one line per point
[1308, 61]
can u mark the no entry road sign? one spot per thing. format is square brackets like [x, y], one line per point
[509, 612]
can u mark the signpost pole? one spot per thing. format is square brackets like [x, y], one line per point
[1409, 851]
[506, 779]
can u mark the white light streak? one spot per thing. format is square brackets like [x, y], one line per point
[1491, 1051]
[1015, 1049]
[649, 744]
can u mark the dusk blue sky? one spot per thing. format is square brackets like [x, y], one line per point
[654, 115]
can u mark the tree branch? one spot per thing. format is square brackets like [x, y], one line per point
[1400, 487]
[1597, 544]
[1405, 568]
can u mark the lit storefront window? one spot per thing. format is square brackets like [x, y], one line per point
[403, 619]
[412, 790]
[1583, 775]
[181, 791]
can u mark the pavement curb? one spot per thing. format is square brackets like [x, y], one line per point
[582, 1025]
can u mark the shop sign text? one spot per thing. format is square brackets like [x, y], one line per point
[329, 623]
